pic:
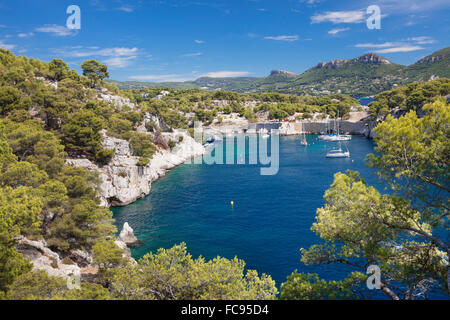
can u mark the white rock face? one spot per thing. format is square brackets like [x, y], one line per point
[123, 182]
[127, 235]
[117, 101]
[45, 259]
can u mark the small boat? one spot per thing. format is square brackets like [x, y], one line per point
[338, 153]
[304, 142]
[214, 138]
[265, 136]
[263, 131]
[336, 137]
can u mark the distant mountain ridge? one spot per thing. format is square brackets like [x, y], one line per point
[366, 75]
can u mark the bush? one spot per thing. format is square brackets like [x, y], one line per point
[172, 144]
[142, 145]
[104, 156]
[143, 162]
[107, 254]
[123, 174]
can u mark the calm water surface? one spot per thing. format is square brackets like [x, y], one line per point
[272, 215]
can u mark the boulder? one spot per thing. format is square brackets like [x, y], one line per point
[45, 259]
[127, 235]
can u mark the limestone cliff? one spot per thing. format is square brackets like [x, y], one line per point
[123, 182]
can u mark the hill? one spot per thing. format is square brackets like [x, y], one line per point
[366, 75]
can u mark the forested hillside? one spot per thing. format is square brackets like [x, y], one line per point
[359, 77]
[48, 112]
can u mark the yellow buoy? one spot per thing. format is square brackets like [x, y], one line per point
[232, 203]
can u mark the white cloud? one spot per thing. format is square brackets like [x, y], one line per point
[337, 30]
[400, 49]
[118, 51]
[126, 9]
[199, 41]
[376, 45]
[422, 40]
[6, 45]
[79, 52]
[188, 77]
[402, 6]
[355, 16]
[162, 78]
[113, 57]
[225, 74]
[408, 45]
[282, 38]
[195, 54]
[25, 35]
[59, 31]
[119, 62]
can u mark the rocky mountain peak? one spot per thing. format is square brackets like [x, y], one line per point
[429, 59]
[282, 73]
[333, 64]
[372, 58]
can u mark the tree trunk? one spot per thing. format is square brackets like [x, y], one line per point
[389, 292]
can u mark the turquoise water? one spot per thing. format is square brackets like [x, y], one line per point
[271, 218]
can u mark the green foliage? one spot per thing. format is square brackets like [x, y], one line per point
[86, 225]
[396, 231]
[142, 162]
[423, 142]
[152, 127]
[173, 275]
[107, 255]
[19, 210]
[105, 155]
[9, 99]
[59, 69]
[95, 71]
[82, 133]
[79, 182]
[301, 286]
[142, 145]
[410, 97]
[119, 127]
[172, 144]
[38, 285]
[23, 174]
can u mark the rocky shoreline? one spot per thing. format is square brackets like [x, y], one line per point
[123, 181]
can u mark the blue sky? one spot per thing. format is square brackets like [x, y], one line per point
[174, 40]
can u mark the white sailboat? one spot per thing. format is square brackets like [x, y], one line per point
[304, 142]
[338, 153]
[336, 137]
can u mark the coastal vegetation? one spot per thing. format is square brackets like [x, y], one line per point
[50, 113]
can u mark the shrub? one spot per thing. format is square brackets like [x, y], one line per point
[143, 162]
[142, 145]
[172, 144]
[104, 156]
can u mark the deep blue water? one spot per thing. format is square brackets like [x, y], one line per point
[365, 101]
[272, 215]
[271, 218]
